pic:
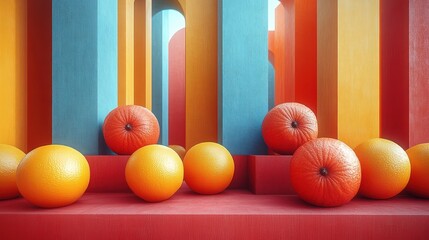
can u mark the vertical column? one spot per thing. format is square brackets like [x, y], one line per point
[160, 72]
[280, 90]
[419, 71]
[39, 73]
[13, 93]
[84, 80]
[348, 70]
[143, 53]
[271, 70]
[125, 52]
[243, 74]
[300, 51]
[176, 92]
[394, 74]
[201, 71]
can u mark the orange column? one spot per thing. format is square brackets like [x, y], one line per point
[125, 52]
[13, 107]
[296, 25]
[280, 90]
[348, 70]
[201, 71]
[143, 53]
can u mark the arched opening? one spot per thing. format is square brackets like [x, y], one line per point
[168, 89]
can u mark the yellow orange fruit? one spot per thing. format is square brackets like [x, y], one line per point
[10, 157]
[419, 180]
[385, 168]
[209, 168]
[179, 150]
[53, 176]
[154, 172]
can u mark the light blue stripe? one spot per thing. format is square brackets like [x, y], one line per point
[160, 39]
[243, 74]
[84, 71]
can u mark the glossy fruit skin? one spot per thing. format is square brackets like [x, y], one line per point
[287, 126]
[418, 184]
[209, 168]
[179, 150]
[53, 176]
[325, 172]
[10, 157]
[385, 168]
[128, 128]
[154, 173]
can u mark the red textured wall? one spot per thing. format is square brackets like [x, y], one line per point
[404, 51]
[39, 75]
[176, 90]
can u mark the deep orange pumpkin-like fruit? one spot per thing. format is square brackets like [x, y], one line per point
[325, 172]
[128, 128]
[287, 126]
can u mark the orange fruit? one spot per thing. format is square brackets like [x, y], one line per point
[154, 173]
[419, 179]
[325, 172]
[10, 157]
[128, 128]
[385, 168]
[209, 168]
[179, 150]
[53, 176]
[287, 126]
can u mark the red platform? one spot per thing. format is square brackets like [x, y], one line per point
[237, 213]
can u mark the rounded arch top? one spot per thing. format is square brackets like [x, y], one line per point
[159, 5]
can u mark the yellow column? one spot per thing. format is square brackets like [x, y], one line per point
[143, 53]
[201, 71]
[125, 52]
[13, 99]
[348, 69]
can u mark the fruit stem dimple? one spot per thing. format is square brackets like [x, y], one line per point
[128, 127]
[294, 124]
[323, 171]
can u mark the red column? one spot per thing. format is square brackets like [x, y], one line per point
[39, 73]
[404, 71]
[176, 90]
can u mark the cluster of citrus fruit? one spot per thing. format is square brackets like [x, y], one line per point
[57, 175]
[327, 172]
[155, 172]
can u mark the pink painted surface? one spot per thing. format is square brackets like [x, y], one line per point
[419, 71]
[176, 90]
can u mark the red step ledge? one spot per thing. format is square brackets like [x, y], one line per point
[109, 210]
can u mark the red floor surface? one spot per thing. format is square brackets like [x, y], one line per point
[110, 211]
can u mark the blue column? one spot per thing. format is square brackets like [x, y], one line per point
[243, 73]
[160, 72]
[84, 71]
